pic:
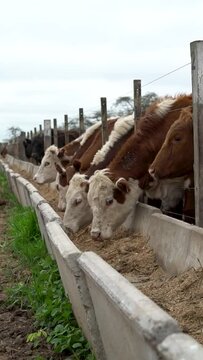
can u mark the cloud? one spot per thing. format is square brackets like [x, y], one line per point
[59, 56]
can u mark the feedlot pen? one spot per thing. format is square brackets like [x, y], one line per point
[180, 295]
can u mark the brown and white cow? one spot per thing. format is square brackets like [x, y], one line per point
[89, 144]
[175, 160]
[83, 158]
[78, 212]
[112, 195]
[47, 171]
[62, 156]
[176, 156]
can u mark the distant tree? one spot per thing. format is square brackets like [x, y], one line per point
[124, 105]
[148, 99]
[14, 132]
[96, 116]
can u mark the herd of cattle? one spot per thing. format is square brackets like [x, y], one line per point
[102, 184]
[34, 148]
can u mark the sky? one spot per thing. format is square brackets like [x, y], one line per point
[57, 56]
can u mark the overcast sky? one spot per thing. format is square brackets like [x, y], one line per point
[59, 55]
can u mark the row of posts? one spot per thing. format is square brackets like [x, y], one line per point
[47, 123]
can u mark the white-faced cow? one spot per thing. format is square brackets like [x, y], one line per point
[47, 170]
[62, 156]
[78, 212]
[90, 143]
[119, 186]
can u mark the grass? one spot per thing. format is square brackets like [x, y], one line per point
[41, 289]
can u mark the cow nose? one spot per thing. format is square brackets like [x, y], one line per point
[152, 172]
[95, 234]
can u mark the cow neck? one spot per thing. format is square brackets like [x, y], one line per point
[86, 145]
[110, 155]
[96, 145]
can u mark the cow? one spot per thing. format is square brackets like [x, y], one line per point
[175, 160]
[82, 159]
[176, 156]
[113, 192]
[90, 143]
[37, 143]
[62, 156]
[47, 170]
[34, 148]
[78, 212]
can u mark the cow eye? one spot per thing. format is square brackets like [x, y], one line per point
[46, 163]
[109, 202]
[77, 201]
[177, 138]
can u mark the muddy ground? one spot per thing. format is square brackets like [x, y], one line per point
[181, 296]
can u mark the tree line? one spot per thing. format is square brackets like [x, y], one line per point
[123, 106]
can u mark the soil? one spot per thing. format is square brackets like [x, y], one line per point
[15, 323]
[181, 296]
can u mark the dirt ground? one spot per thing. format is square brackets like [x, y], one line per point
[180, 296]
[15, 323]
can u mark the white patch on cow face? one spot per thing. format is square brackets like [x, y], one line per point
[47, 170]
[108, 213]
[78, 212]
[169, 191]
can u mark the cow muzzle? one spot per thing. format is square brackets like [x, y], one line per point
[153, 173]
[95, 234]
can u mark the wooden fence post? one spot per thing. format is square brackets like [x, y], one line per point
[81, 121]
[196, 50]
[66, 129]
[55, 133]
[35, 131]
[104, 120]
[47, 134]
[137, 100]
[40, 129]
[31, 134]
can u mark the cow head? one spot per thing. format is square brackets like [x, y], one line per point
[47, 170]
[111, 203]
[78, 212]
[176, 155]
[169, 191]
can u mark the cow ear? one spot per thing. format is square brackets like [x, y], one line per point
[122, 185]
[59, 169]
[77, 165]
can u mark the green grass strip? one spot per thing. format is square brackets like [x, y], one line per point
[41, 289]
